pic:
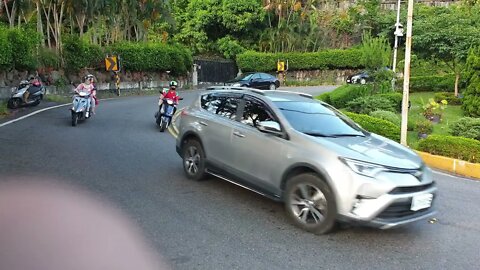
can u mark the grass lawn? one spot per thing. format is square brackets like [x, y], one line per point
[450, 115]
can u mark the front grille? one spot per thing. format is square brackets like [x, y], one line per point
[406, 190]
[400, 210]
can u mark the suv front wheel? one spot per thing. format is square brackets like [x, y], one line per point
[194, 160]
[310, 203]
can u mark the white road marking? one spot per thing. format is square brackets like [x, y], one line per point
[33, 113]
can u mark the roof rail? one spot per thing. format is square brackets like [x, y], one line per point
[226, 87]
[290, 92]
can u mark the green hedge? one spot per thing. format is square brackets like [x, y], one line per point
[467, 127]
[78, 54]
[17, 48]
[6, 60]
[153, 57]
[453, 147]
[339, 97]
[377, 126]
[368, 104]
[395, 98]
[327, 59]
[434, 83]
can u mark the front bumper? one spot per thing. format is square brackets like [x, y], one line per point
[390, 210]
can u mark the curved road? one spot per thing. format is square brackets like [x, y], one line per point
[120, 155]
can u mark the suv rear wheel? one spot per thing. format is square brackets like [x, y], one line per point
[194, 160]
[310, 203]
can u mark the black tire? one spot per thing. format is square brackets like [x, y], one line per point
[272, 86]
[14, 103]
[37, 101]
[310, 203]
[74, 119]
[163, 125]
[193, 160]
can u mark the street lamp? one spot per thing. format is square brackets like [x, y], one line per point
[398, 33]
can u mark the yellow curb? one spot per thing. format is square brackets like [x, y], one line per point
[452, 165]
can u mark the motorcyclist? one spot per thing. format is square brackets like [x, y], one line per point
[89, 87]
[34, 84]
[170, 94]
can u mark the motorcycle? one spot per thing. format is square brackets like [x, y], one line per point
[37, 93]
[165, 113]
[81, 108]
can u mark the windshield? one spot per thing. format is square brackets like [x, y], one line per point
[316, 119]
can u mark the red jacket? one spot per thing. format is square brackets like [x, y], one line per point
[172, 94]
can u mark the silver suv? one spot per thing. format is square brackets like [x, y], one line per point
[308, 155]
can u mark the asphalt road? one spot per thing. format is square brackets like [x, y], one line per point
[120, 155]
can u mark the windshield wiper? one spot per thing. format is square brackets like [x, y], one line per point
[347, 135]
[333, 135]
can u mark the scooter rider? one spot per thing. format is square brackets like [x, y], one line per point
[34, 83]
[88, 86]
[170, 94]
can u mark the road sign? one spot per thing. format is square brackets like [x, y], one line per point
[280, 66]
[111, 63]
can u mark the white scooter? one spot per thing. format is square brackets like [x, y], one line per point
[81, 108]
[37, 92]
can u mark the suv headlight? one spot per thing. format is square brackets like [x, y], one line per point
[363, 168]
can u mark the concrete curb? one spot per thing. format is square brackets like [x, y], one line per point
[456, 166]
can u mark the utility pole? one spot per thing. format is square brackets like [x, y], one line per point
[406, 77]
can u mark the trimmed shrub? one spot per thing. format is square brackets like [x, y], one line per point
[78, 54]
[467, 127]
[388, 116]
[395, 98]
[325, 97]
[376, 125]
[368, 104]
[434, 83]
[342, 95]
[449, 97]
[153, 57]
[327, 59]
[424, 127]
[451, 146]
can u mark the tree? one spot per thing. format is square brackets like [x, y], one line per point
[446, 34]
[471, 100]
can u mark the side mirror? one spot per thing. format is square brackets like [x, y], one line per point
[270, 127]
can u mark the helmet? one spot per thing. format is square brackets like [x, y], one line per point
[89, 76]
[173, 83]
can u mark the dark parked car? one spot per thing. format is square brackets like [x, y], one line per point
[359, 78]
[257, 80]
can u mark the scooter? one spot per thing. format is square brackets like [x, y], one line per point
[165, 113]
[37, 93]
[81, 108]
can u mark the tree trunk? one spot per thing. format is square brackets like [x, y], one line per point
[457, 79]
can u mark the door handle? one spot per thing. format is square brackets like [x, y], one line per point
[238, 134]
[203, 123]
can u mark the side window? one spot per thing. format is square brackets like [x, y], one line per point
[255, 111]
[265, 76]
[222, 105]
[256, 77]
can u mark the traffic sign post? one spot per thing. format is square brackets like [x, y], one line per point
[112, 63]
[282, 71]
